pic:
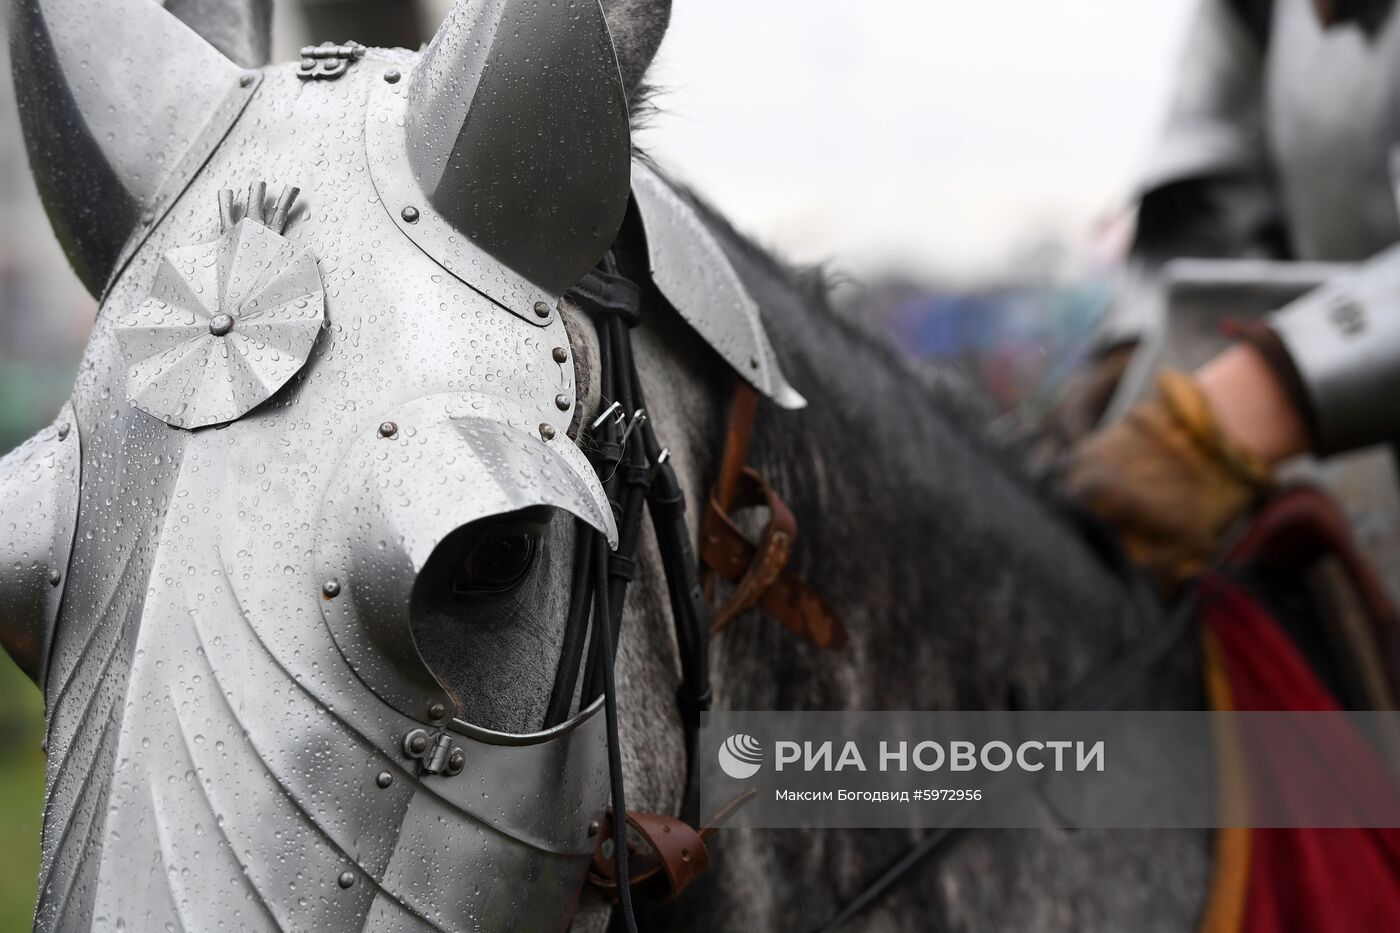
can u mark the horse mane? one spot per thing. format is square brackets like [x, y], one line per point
[963, 586]
[784, 290]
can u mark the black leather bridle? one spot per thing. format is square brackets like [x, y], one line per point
[637, 475]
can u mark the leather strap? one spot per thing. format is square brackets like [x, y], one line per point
[757, 570]
[673, 854]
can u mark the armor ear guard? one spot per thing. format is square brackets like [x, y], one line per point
[121, 103]
[433, 466]
[38, 514]
[505, 153]
[240, 29]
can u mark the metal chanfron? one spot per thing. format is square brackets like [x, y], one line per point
[690, 268]
[38, 511]
[214, 758]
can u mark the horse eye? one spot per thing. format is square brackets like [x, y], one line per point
[496, 562]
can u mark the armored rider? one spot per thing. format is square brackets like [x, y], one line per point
[1281, 143]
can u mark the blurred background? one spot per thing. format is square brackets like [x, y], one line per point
[963, 169]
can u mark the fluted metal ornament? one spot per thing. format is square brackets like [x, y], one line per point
[227, 324]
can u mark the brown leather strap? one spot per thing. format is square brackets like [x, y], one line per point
[743, 408]
[666, 854]
[751, 569]
[757, 570]
[672, 856]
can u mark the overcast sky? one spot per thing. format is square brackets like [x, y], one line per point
[922, 134]
[932, 137]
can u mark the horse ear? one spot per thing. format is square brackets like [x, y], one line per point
[240, 29]
[637, 26]
[517, 133]
[112, 96]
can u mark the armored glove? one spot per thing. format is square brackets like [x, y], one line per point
[1168, 480]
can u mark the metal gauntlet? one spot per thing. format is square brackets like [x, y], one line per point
[1343, 341]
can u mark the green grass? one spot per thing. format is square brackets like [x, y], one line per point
[21, 794]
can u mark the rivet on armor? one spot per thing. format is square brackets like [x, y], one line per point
[562, 401]
[63, 430]
[220, 324]
[547, 431]
[391, 76]
[415, 743]
[436, 711]
[346, 879]
[331, 588]
[753, 362]
[561, 355]
[245, 81]
[147, 219]
[384, 779]
[55, 578]
[594, 828]
[409, 214]
[541, 309]
[456, 761]
[388, 429]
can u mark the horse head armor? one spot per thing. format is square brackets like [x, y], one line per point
[332, 333]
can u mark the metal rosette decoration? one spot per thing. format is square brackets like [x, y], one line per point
[227, 323]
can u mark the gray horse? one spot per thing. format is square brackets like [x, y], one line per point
[227, 689]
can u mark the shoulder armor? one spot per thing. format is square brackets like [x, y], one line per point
[1214, 124]
[690, 268]
[38, 512]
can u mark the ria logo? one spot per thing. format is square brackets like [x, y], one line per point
[740, 756]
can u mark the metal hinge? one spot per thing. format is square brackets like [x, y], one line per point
[328, 61]
[435, 752]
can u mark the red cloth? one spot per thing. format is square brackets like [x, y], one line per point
[1305, 880]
